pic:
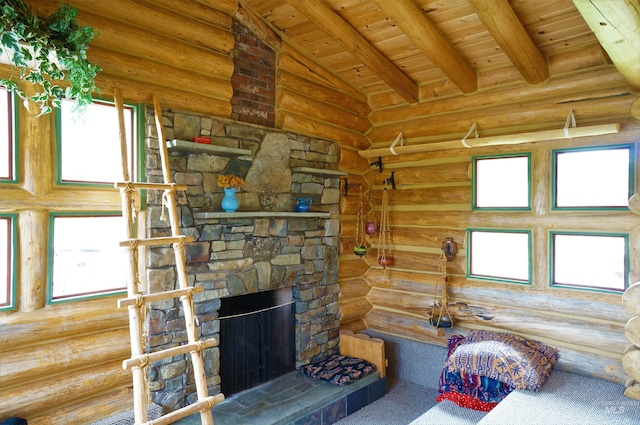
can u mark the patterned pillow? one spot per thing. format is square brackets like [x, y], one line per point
[338, 370]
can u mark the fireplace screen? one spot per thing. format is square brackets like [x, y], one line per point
[257, 339]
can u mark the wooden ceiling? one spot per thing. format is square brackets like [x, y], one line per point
[398, 45]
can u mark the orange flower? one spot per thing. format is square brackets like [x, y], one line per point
[230, 181]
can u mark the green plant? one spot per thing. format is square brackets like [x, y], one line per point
[48, 51]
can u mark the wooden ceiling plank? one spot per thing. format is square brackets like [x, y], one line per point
[410, 19]
[616, 24]
[504, 26]
[355, 43]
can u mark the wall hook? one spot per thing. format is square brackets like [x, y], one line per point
[348, 186]
[391, 180]
[378, 164]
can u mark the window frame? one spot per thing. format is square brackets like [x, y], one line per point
[554, 176]
[50, 258]
[12, 108]
[470, 275]
[474, 181]
[552, 263]
[12, 272]
[135, 152]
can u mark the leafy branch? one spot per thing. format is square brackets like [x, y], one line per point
[48, 50]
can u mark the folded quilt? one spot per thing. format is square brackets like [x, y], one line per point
[515, 361]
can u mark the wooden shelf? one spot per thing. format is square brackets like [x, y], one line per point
[183, 146]
[251, 214]
[319, 171]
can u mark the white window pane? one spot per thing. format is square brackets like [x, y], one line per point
[502, 182]
[592, 178]
[5, 136]
[590, 261]
[6, 264]
[500, 255]
[90, 144]
[87, 258]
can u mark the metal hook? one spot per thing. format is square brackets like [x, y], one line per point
[391, 180]
[378, 164]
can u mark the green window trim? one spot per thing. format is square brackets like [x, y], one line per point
[12, 243]
[14, 158]
[552, 265]
[474, 182]
[50, 258]
[470, 275]
[554, 176]
[138, 146]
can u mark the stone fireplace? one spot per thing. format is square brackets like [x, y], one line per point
[264, 246]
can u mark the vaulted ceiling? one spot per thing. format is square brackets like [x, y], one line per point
[398, 45]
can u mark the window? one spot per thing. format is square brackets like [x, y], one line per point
[593, 178]
[591, 261]
[492, 189]
[86, 258]
[89, 145]
[7, 261]
[499, 254]
[7, 159]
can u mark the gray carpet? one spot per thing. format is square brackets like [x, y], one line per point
[404, 402]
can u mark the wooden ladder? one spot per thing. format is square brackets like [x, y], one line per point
[136, 301]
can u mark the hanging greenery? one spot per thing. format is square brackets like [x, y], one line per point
[48, 51]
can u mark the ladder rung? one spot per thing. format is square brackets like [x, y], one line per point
[143, 185]
[159, 296]
[163, 240]
[141, 360]
[200, 405]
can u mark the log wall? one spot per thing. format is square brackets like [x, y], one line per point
[62, 363]
[433, 201]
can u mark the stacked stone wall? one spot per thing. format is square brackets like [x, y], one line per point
[243, 253]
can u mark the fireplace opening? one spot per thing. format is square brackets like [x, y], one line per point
[257, 339]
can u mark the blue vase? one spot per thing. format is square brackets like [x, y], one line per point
[229, 202]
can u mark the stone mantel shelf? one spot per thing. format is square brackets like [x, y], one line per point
[258, 214]
[319, 171]
[182, 146]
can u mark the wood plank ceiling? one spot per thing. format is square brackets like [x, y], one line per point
[398, 45]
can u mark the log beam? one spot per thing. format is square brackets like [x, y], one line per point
[616, 24]
[358, 46]
[257, 26]
[410, 19]
[503, 25]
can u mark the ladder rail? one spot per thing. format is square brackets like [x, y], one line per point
[135, 318]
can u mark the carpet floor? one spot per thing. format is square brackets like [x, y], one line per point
[403, 403]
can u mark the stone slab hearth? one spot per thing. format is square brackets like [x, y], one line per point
[294, 399]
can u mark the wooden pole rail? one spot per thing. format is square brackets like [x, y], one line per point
[159, 296]
[158, 186]
[163, 240]
[508, 139]
[142, 360]
[206, 403]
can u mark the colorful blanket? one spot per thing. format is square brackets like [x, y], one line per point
[484, 367]
[516, 361]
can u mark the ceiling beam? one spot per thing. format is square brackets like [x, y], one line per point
[357, 45]
[616, 24]
[426, 37]
[507, 30]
